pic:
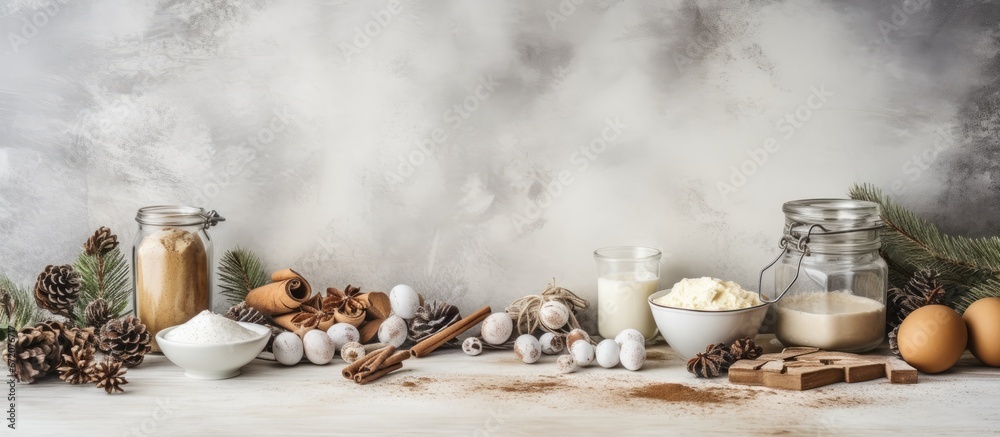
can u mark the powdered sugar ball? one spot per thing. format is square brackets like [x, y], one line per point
[404, 301]
[607, 353]
[287, 348]
[319, 347]
[343, 333]
[497, 328]
[629, 334]
[633, 355]
[393, 331]
[583, 353]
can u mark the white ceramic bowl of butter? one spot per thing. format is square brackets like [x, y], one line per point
[213, 361]
[690, 331]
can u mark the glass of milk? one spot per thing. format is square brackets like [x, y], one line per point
[626, 277]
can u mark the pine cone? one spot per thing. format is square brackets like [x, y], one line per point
[893, 341]
[102, 242]
[745, 349]
[110, 375]
[922, 289]
[77, 337]
[98, 313]
[36, 352]
[77, 366]
[57, 289]
[432, 318]
[126, 340]
[241, 312]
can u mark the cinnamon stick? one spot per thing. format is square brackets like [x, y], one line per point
[380, 357]
[282, 296]
[437, 340]
[396, 358]
[364, 379]
[354, 367]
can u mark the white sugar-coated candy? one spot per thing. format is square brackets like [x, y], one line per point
[629, 334]
[583, 353]
[472, 346]
[404, 301]
[633, 355]
[551, 344]
[343, 333]
[554, 314]
[527, 348]
[497, 328]
[392, 331]
[566, 364]
[287, 348]
[319, 347]
[607, 353]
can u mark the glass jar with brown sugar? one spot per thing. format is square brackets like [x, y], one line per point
[172, 265]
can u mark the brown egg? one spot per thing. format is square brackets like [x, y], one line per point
[983, 320]
[932, 338]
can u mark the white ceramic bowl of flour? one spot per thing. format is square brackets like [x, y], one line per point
[690, 331]
[214, 361]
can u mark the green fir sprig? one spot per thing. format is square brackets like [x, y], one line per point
[19, 301]
[103, 276]
[911, 244]
[240, 270]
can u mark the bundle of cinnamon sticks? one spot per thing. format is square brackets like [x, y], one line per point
[375, 365]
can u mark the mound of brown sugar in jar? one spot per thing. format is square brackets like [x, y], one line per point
[171, 279]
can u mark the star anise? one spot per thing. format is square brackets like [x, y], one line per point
[706, 364]
[313, 312]
[745, 349]
[709, 364]
[346, 305]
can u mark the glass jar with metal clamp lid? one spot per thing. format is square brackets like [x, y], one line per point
[172, 265]
[830, 281]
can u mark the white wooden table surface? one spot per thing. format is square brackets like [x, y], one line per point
[494, 394]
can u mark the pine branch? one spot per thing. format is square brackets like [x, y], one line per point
[240, 271]
[103, 276]
[910, 244]
[25, 312]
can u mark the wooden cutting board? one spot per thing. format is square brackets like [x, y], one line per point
[801, 368]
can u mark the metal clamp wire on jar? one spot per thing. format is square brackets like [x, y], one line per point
[800, 244]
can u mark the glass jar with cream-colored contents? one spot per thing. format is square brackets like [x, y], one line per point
[830, 281]
[626, 277]
[172, 265]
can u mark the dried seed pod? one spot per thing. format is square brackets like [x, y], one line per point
[472, 346]
[554, 314]
[551, 344]
[566, 364]
[527, 348]
[352, 352]
[574, 335]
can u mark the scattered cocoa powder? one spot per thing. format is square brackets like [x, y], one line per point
[656, 355]
[409, 384]
[527, 386]
[670, 392]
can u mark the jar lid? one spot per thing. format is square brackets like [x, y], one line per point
[177, 215]
[834, 214]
